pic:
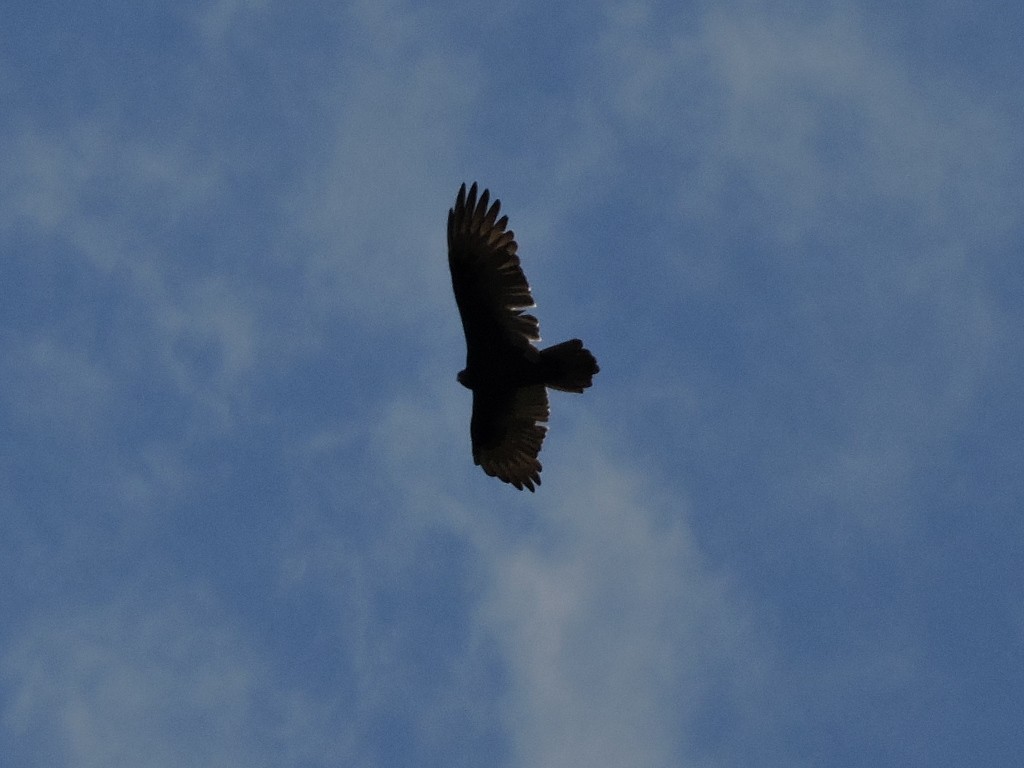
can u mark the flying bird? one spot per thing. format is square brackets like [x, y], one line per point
[507, 374]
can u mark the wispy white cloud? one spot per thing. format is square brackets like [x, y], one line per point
[109, 210]
[369, 217]
[156, 680]
[617, 633]
[833, 191]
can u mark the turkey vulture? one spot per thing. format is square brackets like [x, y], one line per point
[507, 374]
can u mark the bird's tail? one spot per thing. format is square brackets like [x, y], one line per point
[568, 366]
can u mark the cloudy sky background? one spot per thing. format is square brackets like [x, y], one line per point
[239, 520]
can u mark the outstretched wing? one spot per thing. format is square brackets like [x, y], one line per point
[490, 287]
[506, 435]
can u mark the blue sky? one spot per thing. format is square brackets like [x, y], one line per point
[240, 520]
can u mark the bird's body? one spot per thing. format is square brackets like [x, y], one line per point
[508, 375]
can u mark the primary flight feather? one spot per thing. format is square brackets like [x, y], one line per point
[508, 375]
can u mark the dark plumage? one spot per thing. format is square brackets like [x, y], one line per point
[508, 375]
